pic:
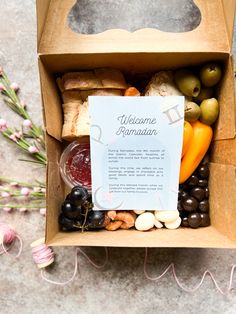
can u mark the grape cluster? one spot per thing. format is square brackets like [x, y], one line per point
[77, 213]
[193, 199]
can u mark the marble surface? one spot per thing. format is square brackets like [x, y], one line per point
[121, 286]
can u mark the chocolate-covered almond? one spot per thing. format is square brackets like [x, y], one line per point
[203, 171]
[194, 220]
[205, 220]
[189, 204]
[202, 183]
[192, 181]
[184, 222]
[204, 206]
[206, 192]
[198, 193]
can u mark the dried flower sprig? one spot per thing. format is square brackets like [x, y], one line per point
[17, 137]
[22, 196]
[13, 182]
[10, 95]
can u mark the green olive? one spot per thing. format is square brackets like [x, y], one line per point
[210, 74]
[209, 111]
[187, 82]
[205, 93]
[192, 111]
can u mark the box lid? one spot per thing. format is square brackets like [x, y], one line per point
[214, 33]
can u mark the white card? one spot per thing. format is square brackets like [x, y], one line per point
[136, 145]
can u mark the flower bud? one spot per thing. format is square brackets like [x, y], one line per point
[5, 194]
[13, 137]
[25, 191]
[23, 104]
[42, 211]
[3, 125]
[27, 123]
[7, 209]
[2, 87]
[22, 210]
[33, 150]
[18, 134]
[37, 189]
[15, 86]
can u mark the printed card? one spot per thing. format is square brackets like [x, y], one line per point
[136, 145]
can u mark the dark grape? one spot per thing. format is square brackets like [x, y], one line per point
[78, 195]
[65, 223]
[70, 211]
[96, 219]
[67, 197]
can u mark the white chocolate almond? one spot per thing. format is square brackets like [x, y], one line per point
[166, 215]
[145, 221]
[158, 224]
[139, 212]
[173, 224]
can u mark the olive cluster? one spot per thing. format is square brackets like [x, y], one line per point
[193, 199]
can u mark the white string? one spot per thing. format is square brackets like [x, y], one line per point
[184, 288]
[77, 250]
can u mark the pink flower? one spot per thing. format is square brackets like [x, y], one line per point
[23, 104]
[3, 125]
[2, 87]
[25, 191]
[36, 189]
[43, 190]
[15, 86]
[18, 134]
[22, 210]
[33, 149]
[5, 194]
[13, 137]
[7, 209]
[27, 123]
[42, 211]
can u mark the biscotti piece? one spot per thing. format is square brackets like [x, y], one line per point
[96, 79]
[76, 120]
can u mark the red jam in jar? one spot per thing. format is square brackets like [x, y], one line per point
[75, 165]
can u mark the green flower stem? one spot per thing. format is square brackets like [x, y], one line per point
[38, 185]
[17, 206]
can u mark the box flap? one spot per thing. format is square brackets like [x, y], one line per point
[41, 10]
[213, 34]
[229, 12]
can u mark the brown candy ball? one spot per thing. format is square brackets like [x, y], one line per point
[189, 203]
[198, 193]
[194, 220]
[205, 220]
[204, 206]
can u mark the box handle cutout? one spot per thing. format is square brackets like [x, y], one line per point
[93, 17]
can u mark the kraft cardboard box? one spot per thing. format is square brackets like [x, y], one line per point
[147, 50]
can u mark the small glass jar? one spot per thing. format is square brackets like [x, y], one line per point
[75, 165]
